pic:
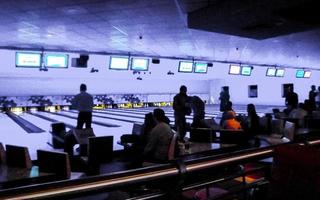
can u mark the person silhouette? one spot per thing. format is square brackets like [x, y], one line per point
[83, 102]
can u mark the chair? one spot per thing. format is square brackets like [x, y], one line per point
[2, 154]
[173, 148]
[100, 150]
[17, 156]
[289, 130]
[58, 132]
[202, 135]
[54, 162]
[295, 173]
[233, 137]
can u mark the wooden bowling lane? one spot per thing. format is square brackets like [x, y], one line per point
[119, 118]
[93, 122]
[25, 124]
[124, 127]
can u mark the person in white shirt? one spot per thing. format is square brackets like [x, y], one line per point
[299, 113]
[84, 103]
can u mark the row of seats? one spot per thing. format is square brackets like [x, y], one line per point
[100, 151]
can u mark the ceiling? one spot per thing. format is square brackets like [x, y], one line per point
[157, 28]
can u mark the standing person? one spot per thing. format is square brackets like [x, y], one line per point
[312, 97]
[291, 100]
[224, 98]
[198, 108]
[84, 103]
[181, 109]
[318, 98]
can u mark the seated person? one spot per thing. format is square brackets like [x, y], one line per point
[226, 113]
[138, 140]
[198, 108]
[299, 113]
[251, 124]
[159, 139]
[230, 121]
[148, 125]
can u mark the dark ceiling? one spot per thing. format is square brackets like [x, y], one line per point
[160, 28]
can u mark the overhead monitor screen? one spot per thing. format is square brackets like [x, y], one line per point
[201, 68]
[56, 60]
[234, 69]
[280, 73]
[246, 70]
[119, 63]
[24, 59]
[139, 64]
[185, 66]
[300, 73]
[307, 74]
[271, 72]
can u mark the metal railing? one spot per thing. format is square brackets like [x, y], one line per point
[127, 179]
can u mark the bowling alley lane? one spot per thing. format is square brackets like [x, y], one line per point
[98, 130]
[12, 133]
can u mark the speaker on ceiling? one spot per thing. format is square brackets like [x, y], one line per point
[155, 61]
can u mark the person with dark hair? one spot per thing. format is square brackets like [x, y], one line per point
[148, 125]
[317, 99]
[159, 139]
[251, 124]
[312, 97]
[181, 109]
[299, 113]
[224, 98]
[83, 102]
[291, 100]
[198, 108]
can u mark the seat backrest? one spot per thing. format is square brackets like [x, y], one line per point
[136, 129]
[18, 156]
[54, 162]
[2, 154]
[289, 129]
[295, 173]
[277, 126]
[173, 147]
[100, 149]
[233, 137]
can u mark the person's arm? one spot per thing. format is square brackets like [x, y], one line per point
[176, 104]
[92, 104]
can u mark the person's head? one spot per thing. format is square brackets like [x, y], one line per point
[148, 119]
[225, 89]
[159, 115]
[313, 87]
[251, 109]
[230, 115]
[83, 87]
[318, 88]
[290, 89]
[183, 89]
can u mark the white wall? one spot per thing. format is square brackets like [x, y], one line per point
[26, 81]
[269, 88]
